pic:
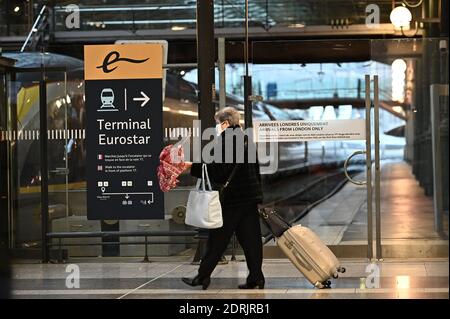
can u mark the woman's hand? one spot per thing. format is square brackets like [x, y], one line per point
[187, 165]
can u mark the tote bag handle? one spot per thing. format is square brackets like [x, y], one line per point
[205, 176]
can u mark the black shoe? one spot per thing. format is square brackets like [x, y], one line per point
[197, 281]
[253, 285]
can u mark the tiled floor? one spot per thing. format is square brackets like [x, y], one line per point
[413, 278]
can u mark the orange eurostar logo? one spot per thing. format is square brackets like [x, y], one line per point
[125, 61]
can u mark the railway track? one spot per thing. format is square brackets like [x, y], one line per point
[315, 190]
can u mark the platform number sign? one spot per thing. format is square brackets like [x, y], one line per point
[124, 134]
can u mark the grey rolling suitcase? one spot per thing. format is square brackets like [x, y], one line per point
[304, 249]
[310, 255]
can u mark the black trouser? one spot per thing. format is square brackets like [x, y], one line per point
[244, 221]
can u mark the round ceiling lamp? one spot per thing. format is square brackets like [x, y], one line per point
[400, 17]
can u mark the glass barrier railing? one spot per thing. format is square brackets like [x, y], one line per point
[413, 69]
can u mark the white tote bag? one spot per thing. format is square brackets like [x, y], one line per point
[203, 207]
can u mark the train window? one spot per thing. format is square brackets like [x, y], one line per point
[187, 89]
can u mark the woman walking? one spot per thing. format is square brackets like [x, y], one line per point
[239, 202]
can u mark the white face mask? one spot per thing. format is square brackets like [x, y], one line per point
[219, 129]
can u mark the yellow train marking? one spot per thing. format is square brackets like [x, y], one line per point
[53, 187]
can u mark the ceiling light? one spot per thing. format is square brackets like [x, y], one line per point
[400, 17]
[296, 25]
[398, 76]
[178, 28]
[399, 65]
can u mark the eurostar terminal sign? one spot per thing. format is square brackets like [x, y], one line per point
[123, 97]
[303, 130]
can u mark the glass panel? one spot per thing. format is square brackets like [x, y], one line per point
[4, 194]
[66, 152]
[407, 70]
[286, 15]
[309, 186]
[15, 17]
[67, 185]
[67, 160]
[59, 144]
[24, 150]
[24, 160]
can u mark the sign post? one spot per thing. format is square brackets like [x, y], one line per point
[124, 130]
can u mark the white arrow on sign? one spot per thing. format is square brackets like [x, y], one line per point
[144, 98]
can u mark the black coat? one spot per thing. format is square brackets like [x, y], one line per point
[245, 186]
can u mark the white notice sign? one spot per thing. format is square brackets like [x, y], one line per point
[298, 131]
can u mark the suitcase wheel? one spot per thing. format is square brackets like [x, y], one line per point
[341, 269]
[322, 285]
[335, 275]
[319, 285]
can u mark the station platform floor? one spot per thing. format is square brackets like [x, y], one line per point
[407, 215]
[415, 261]
[161, 278]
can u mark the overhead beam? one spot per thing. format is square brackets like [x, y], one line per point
[354, 102]
[307, 103]
[319, 31]
[315, 51]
